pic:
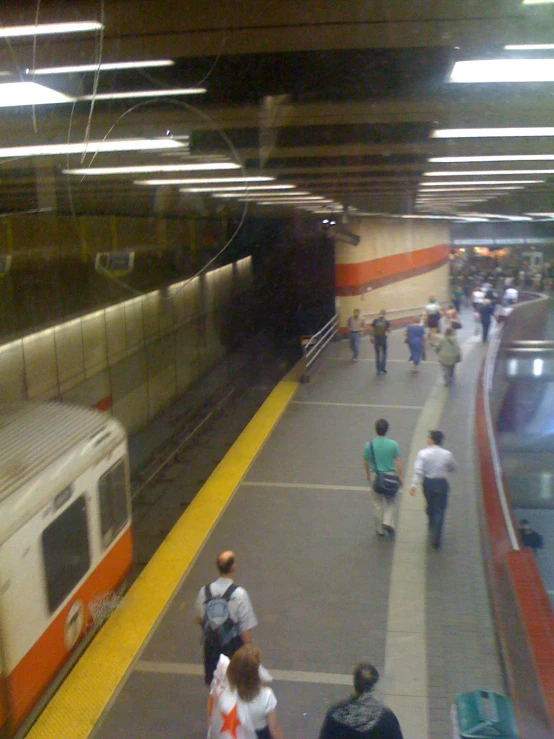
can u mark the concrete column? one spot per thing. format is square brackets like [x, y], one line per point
[397, 265]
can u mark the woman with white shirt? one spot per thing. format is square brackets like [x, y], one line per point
[244, 707]
[433, 312]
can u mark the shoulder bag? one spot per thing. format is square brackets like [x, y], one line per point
[385, 483]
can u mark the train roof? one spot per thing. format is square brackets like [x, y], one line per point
[34, 436]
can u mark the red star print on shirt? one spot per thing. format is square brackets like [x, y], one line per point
[230, 722]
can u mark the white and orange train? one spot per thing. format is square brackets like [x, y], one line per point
[65, 542]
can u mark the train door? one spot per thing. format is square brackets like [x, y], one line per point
[42, 564]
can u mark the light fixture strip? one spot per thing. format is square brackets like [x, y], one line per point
[204, 181]
[483, 172]
[49, 29]
[529, 47]
[503, 70]
[17, 94]
[90, 147]
[473, 133]
[102, 67]
[237, 188]
[144, 94]
[267, 195]
[149, 168]
[466, 183]
[495, 158]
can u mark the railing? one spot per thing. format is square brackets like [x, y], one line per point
[312, 346]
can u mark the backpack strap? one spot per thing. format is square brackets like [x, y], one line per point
[229, 592]
[373, 457]
[226, 595]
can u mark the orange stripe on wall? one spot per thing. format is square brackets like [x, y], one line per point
[358, 274]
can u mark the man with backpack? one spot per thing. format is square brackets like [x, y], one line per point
[380, 327]
[225, 613]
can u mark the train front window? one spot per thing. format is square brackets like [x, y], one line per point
[65, 551]
[113, 502]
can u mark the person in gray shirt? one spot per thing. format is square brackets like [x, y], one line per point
[356, 327]
[431, 469]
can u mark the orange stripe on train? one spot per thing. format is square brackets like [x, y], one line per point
[31, 676]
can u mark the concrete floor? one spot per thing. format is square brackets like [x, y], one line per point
[327, 591]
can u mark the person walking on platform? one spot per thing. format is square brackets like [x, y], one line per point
[225, 613]
[361, 716]
[415, 338]
[433, 313]
[356, 326]
[449, 354]
[244, 707]
[488, 307]
[431, 469]
[383, 466]
[380, 327]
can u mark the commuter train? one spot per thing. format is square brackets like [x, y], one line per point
[65, 543]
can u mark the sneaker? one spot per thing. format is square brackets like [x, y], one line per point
[384, 372]
[388, 529]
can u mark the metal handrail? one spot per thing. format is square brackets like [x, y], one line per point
[528, 349]
[490, 361]
[529, 342]
[314, 345]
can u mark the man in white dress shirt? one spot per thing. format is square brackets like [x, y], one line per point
[431, 468]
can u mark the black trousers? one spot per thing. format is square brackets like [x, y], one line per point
[212, 652]
[435, 490]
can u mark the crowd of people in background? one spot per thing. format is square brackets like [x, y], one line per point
[241, 702]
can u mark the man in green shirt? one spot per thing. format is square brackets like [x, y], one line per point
[383, 455]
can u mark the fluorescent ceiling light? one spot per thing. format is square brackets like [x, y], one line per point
[237, 188]
[49, 29]
[203, 180]
[503, 70]
[528, 47]
[266, 195]
[471, 189]
[537, 2]
[13, 94]
[502, 217]
[466, 183]
[144, 94]
[147, 168]
[544, 215]
[481, 172]
[475, 133]
[442, 218]
[308, 199]
[497, 158]
[103, 67]
[92, 147]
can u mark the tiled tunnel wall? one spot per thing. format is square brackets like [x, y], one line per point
[134, 357]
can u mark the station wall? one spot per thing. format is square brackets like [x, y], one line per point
[397, 265]
[132, 358]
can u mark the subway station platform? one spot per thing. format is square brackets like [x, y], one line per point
[291, 499]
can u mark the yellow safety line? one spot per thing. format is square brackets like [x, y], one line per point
[76, 707]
